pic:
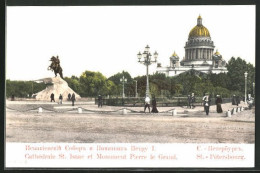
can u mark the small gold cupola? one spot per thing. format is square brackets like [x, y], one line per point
[217, 52]
[174, 54]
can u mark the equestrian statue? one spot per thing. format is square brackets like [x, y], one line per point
[55, 66]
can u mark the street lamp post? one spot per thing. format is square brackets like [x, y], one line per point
[245, 84]
[136, 95]
[123, 80]
[253, 89]
[147, 60]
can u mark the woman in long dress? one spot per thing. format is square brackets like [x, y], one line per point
[218, 103]
[154, 109]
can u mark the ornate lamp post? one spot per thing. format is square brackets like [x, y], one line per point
[136, 95]
[245, 84]
[147, 60]
[123, 80]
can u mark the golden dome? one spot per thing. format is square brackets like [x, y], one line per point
[174, 54]
[199, 30]
[217, 53]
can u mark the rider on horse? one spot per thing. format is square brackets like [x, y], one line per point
[55, 66]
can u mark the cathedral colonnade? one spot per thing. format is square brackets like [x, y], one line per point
[199, 53]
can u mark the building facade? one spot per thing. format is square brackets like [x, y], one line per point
[199, 54]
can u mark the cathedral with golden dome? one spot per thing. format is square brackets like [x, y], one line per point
[199, 54]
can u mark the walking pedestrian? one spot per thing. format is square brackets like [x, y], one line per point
[218, 104]
[52, 97]
[154, 109]
[12, 98]
[60, 98]
[99, 101]
[189, 101]
[206, 100]
[192, 100]
[234, 100]
[69, 97]
[238, 100]
[250, 101]
[147, 103]
[73, 99]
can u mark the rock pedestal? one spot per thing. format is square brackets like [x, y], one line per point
[57, 86]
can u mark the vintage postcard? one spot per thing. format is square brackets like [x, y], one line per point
[130, 86]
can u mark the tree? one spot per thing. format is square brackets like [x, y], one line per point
[74, 84]
[94, 83]
[189, 80]
[129, 85]
[220, 80]
[23, 88]
[236, 68]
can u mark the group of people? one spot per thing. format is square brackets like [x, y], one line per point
[191, 101]
[207, 100]
[70, 98]
[147, 104]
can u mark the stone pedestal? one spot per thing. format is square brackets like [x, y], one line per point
[228, 113]
[57, 86]
[174, 112]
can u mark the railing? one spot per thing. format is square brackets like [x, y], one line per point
[161, 102]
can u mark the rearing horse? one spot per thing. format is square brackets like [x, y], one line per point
[55, 66]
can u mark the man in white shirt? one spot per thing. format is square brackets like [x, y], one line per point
[147, 103]
[206, 100]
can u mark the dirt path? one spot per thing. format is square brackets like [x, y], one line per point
[117, 128]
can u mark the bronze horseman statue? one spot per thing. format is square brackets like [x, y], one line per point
[55, 66]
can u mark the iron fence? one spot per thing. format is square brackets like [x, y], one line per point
[161, 102]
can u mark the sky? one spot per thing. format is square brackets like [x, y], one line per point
[108, 38]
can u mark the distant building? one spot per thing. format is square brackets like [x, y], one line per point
[199, 54]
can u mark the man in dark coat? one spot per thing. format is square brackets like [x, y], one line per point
[73, 98]
[52, 97]
[234, 100]
[60, 98]
[189, 101]
[99, 101]
[69, 96]
[238, 100]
